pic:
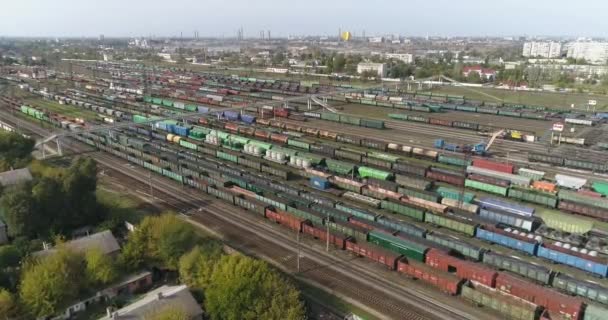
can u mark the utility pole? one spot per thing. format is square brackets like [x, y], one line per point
[298, 259]
[327, 240]
[150, 183]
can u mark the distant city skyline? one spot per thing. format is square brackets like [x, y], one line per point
[134, 18]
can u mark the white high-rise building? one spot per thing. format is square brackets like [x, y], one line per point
[542, 49]
[592, 52]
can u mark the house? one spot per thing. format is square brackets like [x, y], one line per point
[378, 68]
[14, 177]
[104, 241]
[158, 300]
[484, 73]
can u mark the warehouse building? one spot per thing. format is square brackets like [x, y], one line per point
[405, 57]
[379, 68]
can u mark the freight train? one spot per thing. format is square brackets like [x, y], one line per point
[396, 245]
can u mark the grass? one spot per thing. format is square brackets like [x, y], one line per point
[64, 110]
[556, 100]
[320, 296]
[121, 206]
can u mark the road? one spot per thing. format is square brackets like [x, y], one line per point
[388, 293]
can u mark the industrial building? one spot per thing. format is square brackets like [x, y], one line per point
[405, 57]
[542, 49]
[379, 68]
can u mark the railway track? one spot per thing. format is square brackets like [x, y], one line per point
[357, 281]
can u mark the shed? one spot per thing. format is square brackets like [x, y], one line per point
[14, 177]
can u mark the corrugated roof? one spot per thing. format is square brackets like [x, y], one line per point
[13, 177]
[105, 241]
[158, 300]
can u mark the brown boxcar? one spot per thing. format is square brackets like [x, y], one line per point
[491, 165]
[264, 122]
[321, 234]
[462, 268]
[440, 122]
[284, 218]
[446, 282]
[374, 253]
[444, 177]
[554, 302]
[589, 211]
[232, 127]
[277, 137]
[262, 134]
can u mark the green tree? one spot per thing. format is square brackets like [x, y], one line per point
[15, 150]
[196, 266]
[473, 77]
[8, 305]
[162, 240]
[50, 282]
[243, 288]
[18, 210]
[9, 256]
[100, 269]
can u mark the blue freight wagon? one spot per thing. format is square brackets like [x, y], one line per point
[319, 183]
[493, 203]
[528, 247]
[590, 264]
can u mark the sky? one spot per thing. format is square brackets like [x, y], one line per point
[75, 18]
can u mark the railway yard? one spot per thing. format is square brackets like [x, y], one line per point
[412, 206]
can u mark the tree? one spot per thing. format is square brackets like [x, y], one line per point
[168, 313]
[18, 210]
[8, 305]
[15, 151]
[162, 240]
[50, 282]
[9, 256]
[100, 269]
[243, 288]
[196, 266]
[473, 77]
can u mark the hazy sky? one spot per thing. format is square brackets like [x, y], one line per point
[284, 17]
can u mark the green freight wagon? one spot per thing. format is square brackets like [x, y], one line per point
[509, 306]
[139, 119]
[173, 175]
[152, 167]
[191, 107]
[413, 182]
[452, 223]
[403, 209]
[348, 229]
[273, 201]
[197, 134]
[298, 144]
[533, 195]
[226, 156]
[421, 194]
[397, 116]
[339, 167]
[157, 101]
[383, 156]
[148, 99]
[455, 194]
[316, 219]
[565, 222]
[350, 120]
[330, 116]
[579, 198]
[370, 123]
[463, 248]
[600, 187]
[187, 144]
[490, 188]
[367, 172]
[455, 161]
[167, 103]
[400, 245]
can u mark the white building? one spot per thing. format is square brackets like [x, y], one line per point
[542, 49]
[376, 39]
[593, 52]
[379, 68]
[405, 57]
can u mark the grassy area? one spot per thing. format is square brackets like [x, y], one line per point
[121, 205]
[549, 99]
[65, 110]
[319, 296]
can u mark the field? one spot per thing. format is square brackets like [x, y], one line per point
[549, 99]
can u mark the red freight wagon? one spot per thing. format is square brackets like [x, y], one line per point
[264, 122]
[262, 134]
[370, 225]
[491, 165]
[585, 210]
[440, 122]
[590, 193]
[203, 120]
[555, 302]
[444, 281]
[374, 253]
[232, 127]
[246, 131]
[277, 137]
[489, 180]
[462, 268]
[280, 112]
[321, 234]
[443, 177]
[284, 218]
